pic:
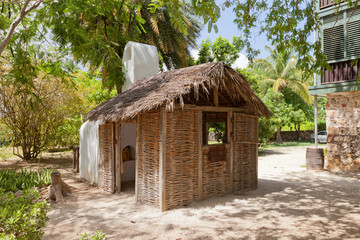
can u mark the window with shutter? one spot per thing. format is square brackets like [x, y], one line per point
[353, 37]
[334, 42]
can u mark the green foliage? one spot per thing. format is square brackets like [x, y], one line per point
[220, 131]
[205, 54]
[280, 109]
[279, 71]
[322, 125]
[14, 180]
[22, 217]
[5, 135]
[300, 143]
[253, 79]
[34, 114]
[296, 118]
[98, 235]
[220, 50]
[95, 33]
[284, 23]
[267, 128]
[298, 103]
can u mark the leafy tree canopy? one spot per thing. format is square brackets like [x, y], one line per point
[220, 50]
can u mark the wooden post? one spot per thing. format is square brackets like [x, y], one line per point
[216, 97]
[137, 158]
[257, 153]
[200, 143]
[231, 141]
[76, 158]
[118, 157]
[162, 165]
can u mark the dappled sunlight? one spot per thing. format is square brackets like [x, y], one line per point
[289, 203]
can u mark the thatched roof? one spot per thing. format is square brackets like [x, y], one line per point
[168, 88]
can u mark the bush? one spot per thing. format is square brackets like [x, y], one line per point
[34, 115]
[12, 180]
[266, 130]
[22, 217]
[98, 235]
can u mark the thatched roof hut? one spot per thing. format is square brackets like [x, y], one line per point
[180, 86]
[173, 115]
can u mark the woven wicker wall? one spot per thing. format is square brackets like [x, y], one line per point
[181, 182]
[216, 172]
[245, 151]
[106, 157]
[147, 157]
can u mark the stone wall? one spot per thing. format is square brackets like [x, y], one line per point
[343, 130]
[293, 135]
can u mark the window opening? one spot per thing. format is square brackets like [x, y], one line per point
[214, 128]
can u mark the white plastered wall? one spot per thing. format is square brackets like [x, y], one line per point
[89, 151]
[140, 60]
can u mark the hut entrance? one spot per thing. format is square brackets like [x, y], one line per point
[128, 146]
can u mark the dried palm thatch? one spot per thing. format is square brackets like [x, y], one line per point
[169, 88]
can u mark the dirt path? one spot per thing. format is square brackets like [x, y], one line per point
[290, 203]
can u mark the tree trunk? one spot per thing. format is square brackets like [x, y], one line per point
[298, 130]
[278, 136]
[58, 188]
[23, 12]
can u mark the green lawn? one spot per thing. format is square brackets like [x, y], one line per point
[294, 144]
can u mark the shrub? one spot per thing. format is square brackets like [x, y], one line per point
[98, 235]
[12, 180]
[266, 130]
[34, 115]
[22, 217]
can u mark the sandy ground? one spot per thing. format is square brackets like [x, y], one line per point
[289, 203]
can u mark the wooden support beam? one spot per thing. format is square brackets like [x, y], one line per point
[244, 110]
[257, 152]
[162, 165]
[118, 157]
[216, 97]
[229, 93]
[230, 124]
[206, 99]
[129, 120]
[200, 144]
[137, 158]
[222, 96]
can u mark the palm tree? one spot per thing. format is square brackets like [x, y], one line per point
[279, 70]
[172, 34]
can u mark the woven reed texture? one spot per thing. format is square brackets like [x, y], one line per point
[245, 151]
[216, 174]
[106, 157]
[147, 157]
[181, 184]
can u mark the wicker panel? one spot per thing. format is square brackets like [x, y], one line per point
[106, 157]
[181, 184]
[216, 175]
[245, 172]
[245, 152]
[147, 158]
[245, 128]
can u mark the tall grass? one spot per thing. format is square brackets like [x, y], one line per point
[14, 180]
